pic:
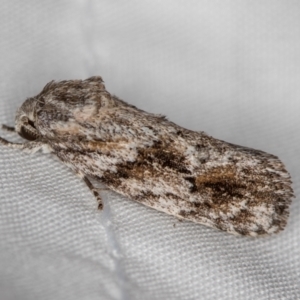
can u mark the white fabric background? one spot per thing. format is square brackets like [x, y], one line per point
[227, 67]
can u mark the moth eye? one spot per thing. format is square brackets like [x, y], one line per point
[28, 131]
[26, 134]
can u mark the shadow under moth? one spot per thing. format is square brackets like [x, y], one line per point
[149, 159]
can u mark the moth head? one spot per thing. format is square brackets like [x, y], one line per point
[25, 120]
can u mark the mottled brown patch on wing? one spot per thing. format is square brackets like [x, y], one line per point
[217, 175]
[151, 163]
[165, 156]
[221, 183]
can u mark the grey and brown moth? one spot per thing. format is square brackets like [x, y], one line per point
[149, 159]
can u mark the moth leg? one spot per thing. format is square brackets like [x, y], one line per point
[8, 128]
[94, 191]
[30, 147]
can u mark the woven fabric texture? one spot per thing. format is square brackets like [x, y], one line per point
[226, 67]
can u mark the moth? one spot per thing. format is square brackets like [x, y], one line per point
[151, 160]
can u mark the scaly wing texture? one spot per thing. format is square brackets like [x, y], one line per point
[156, 162]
